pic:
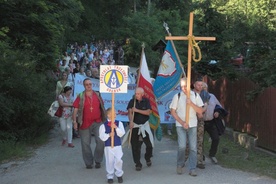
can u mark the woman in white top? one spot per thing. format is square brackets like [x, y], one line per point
[63, 82]
[65, 100]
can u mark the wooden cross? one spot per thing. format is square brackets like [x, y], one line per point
[189, 56]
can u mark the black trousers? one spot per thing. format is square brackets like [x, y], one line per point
[136, 144]
[210, 127]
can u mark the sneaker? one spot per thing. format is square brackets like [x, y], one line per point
[179, 170]
[110, 181]
[120, 179]
[192, 173]
[169, 132]
[214, 160]
[200, 166]
[98, 165]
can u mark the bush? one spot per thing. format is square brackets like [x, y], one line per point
[24, 97]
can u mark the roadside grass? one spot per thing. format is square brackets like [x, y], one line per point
[11, 150]
[232, 155]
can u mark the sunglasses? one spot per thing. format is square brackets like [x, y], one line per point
[88, 84]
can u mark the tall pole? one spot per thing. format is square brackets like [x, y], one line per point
[112, 118]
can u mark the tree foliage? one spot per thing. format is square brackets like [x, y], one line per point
[31, 34]
[38, 26]
[24, 97]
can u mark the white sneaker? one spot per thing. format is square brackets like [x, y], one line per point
[179, 170]
[214, 160]
[193, 173]
[169, 132]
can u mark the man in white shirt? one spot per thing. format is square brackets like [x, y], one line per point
[178, 111]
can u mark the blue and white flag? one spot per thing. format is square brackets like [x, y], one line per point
[169, 72]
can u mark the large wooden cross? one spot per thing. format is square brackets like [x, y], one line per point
[189, 56]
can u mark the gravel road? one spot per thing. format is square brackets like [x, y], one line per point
[56, 164]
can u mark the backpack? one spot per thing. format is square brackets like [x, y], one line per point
[179, 95]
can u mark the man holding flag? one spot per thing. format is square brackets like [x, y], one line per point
[139, 110]
[143, 115]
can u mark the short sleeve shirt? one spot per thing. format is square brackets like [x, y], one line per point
[144, 104]
[179, 104]
[91, 110]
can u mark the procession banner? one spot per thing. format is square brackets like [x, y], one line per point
[169, 72]
[144, 81]
[122, 99]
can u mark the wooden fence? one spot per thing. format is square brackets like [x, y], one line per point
[256, 118]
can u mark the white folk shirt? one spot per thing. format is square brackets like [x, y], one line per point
[180, 106]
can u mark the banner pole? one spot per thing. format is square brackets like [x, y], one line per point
[112, 118]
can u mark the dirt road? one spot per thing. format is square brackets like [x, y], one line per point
[55, 164]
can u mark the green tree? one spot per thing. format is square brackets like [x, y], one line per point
[31, 34]
[136, 27]
[38, 26]
[24, 97]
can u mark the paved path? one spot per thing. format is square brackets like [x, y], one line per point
[54, 164]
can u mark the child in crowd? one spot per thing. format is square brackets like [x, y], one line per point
[113, 156]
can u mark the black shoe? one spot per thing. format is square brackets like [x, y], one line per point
[200, 166]
[138, 167]
[110, 181]
[98, 165]
[120, 179]
[149, 163]
[89, 166]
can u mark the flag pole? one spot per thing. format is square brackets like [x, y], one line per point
[137, 82]
[112, 118]
[165, 25]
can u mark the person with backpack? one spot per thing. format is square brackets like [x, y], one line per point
[184, 129]
[89, 112]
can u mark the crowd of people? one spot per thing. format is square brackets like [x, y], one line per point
[86, 59]
[87, 116]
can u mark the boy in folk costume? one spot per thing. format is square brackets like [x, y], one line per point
[113, 156]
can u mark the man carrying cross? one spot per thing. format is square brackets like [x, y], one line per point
[187, 124]
[178, 109]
